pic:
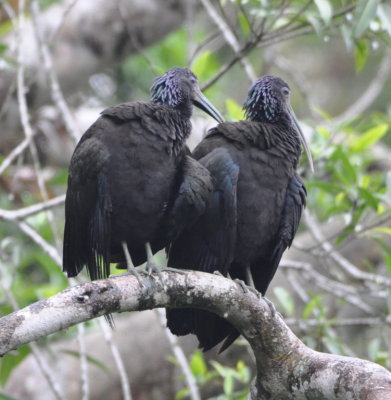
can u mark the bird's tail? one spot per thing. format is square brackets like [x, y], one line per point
[209, 328]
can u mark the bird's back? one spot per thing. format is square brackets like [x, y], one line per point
[121, 178]
[264, 172]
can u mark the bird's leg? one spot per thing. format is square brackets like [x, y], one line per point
[251, 286]
[153, 267]
[249, 277]
[131, 270]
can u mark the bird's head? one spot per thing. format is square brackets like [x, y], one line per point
[179, 88]
[268, 101]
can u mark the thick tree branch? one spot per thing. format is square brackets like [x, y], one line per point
[286, 367]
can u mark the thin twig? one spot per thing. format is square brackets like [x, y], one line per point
[40, 241]
[25, 120]
[230, 39]
[314, 322]
[64, 16]
[262, 40]
[36, 351]
[17, 151]
[134, 40]
[25, 212]
[338, 289]
[57, 96]
[212, 36]
[117, 359]
[180, 356]
[85, 387]
[298, 78]
[341, 261]
[375, 87]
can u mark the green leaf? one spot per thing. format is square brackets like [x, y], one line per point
[235, 111]
[327, 187]
[333, 345]
[182, 394]
[222, 371]
[361, 52]
[228, 384]
[243, 372]
[90, 359]
[373, 348]
[348, 172]
[285, 299]
[326, 116]
[369, 138]
[325, 10]
[197, 364]
[311, 306]
[387, 259]
[244, 25]
[4, 397]
[10, 361]
[3, 47]
[316, 23]
[369, 198]
[324, 132]
[366, 12]
[205, 65]
[381, 229]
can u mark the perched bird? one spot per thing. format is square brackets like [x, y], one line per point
[255, 207]
[130, 174]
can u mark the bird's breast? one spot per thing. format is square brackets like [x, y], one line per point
[261, 194]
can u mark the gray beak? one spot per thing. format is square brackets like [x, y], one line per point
[302, 138]
[201, 102]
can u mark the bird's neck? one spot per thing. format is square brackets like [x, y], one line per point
[285, 138]
[184, 106]
[185, 109]
[288, 139]
[181, 129]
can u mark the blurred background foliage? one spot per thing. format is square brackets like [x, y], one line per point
[330, 52]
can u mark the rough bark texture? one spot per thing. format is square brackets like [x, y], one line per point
[286, 368]
[144, 350]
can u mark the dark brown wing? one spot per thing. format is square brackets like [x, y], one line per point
[87, 211]
[208, 246]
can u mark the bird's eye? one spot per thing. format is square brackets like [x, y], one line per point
[285, 91]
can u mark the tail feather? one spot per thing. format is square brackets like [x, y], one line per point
[209, 328]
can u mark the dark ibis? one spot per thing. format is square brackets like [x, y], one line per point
[130, 174]
[255, 207]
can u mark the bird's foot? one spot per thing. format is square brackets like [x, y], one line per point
[246, 289]
[151, 268]
[132, 272]
[151, 265]
[219, 274]
[271, 306]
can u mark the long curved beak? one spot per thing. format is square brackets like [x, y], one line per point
[201, 102]
[302, 138]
